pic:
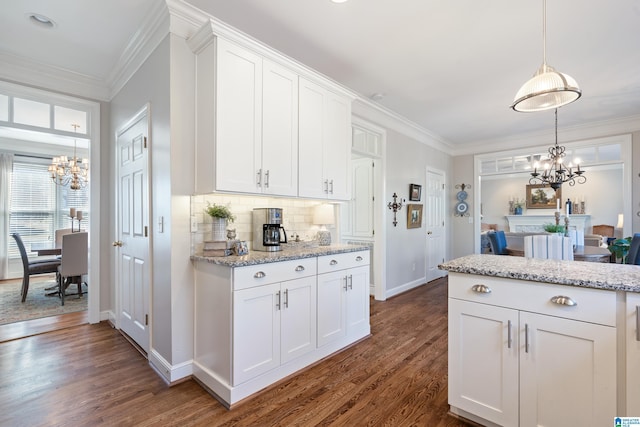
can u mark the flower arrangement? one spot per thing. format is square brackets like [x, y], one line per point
[518, 203]
[220, 211]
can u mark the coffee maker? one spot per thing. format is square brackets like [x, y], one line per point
[268, 232]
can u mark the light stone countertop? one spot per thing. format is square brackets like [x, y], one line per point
[612, 277]
[288, 252]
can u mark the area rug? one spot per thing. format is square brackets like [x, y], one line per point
[37, 304]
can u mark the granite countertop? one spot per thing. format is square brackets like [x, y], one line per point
[612, 277]
[288, 252]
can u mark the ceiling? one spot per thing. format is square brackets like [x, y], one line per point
[451, 67]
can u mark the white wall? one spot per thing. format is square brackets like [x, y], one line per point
[602, 193]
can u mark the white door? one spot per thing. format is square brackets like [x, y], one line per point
[132, 243]
[298, 318]
[357, 298]
[332, 307]
[362, 198]
[436, 244]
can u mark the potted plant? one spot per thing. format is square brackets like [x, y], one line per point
[220, 216]
[517, 206]
[554, 228]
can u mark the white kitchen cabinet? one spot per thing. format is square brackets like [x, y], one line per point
[324, 143]
[247, 128]
[343, 296]
[273, 324]
[631, 358]
[517, 358]
[257, 324]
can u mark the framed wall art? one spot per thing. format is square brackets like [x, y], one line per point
[540, 196]
[415, 192]
[414, 216]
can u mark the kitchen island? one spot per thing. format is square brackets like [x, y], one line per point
[543, 342]
[263, 316]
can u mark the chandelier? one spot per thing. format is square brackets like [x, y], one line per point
[72, 172]
[547, 88]
[554, 172]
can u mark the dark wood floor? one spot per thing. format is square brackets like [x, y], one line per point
[90, 375]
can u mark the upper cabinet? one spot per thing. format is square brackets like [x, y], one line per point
[325, 143]
[248, 131]
[262, 127]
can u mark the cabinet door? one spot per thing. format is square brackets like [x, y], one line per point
[256, 331]
[567, 372]
[632, 339]
[238, 118]
[483, 361]
[337, 146]
[311, 179]
[357, 298]
[331, 306]
[298, 318]
[279, 130]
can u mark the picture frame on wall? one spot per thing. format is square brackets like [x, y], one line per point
[541, 196]
[414, 216]
[415, 192]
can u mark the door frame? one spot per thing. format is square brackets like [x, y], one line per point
[144, 111]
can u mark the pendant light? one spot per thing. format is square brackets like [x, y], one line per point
[548, 88]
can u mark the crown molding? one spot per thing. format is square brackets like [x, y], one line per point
[153, 29]
[591, 130]
[25, 71]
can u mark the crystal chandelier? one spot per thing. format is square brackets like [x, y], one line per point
[548, 88]
[72, 172]
[554, 172]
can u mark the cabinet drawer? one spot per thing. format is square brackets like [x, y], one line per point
[329, 263]
[592, 305]
[262, 274]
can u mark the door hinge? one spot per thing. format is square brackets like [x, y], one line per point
[146, 231]
[145, 142]
[146, 319]
[443, 186]
[443, 223]
[373, 232]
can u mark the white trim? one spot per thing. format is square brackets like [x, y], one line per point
[379, 260]
[168, 372]
[406, 287]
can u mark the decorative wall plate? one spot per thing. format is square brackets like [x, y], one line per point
[462, 207]
[462, 195]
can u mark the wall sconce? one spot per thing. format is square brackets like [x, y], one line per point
[395, 206]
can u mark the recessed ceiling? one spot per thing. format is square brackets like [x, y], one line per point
[453, 68]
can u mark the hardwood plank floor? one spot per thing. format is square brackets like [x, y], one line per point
[90, 375]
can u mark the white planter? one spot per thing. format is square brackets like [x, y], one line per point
[218, 229]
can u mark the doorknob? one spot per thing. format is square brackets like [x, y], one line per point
[429, 232]
[117, 243]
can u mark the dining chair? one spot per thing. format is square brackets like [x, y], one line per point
[31, 268]
[633, 257]
[74, 262]
[498, 242]
[549, 246]
[59, 233]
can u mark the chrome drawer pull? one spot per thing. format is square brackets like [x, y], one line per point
[259, 275]
[526, 338]
[358, 258]
[481, 289]
[333, 262]
[509, 334]
[563, 300]
[299, 268]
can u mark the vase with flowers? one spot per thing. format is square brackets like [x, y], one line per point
[220, 216]
[518, 204]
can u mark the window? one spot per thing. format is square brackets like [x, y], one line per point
[38, 207]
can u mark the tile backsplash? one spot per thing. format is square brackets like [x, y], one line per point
[297, 215]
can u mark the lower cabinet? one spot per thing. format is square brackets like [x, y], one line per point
[343, 295]
[273, 324]
[519, 356]
[632, 354]
[257, 324]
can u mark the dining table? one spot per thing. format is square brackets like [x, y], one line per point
[580, 253]
[43, 249]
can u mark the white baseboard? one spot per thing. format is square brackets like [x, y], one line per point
[406, 287]
[170, 373]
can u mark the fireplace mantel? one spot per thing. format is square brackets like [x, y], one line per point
[534, 223]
